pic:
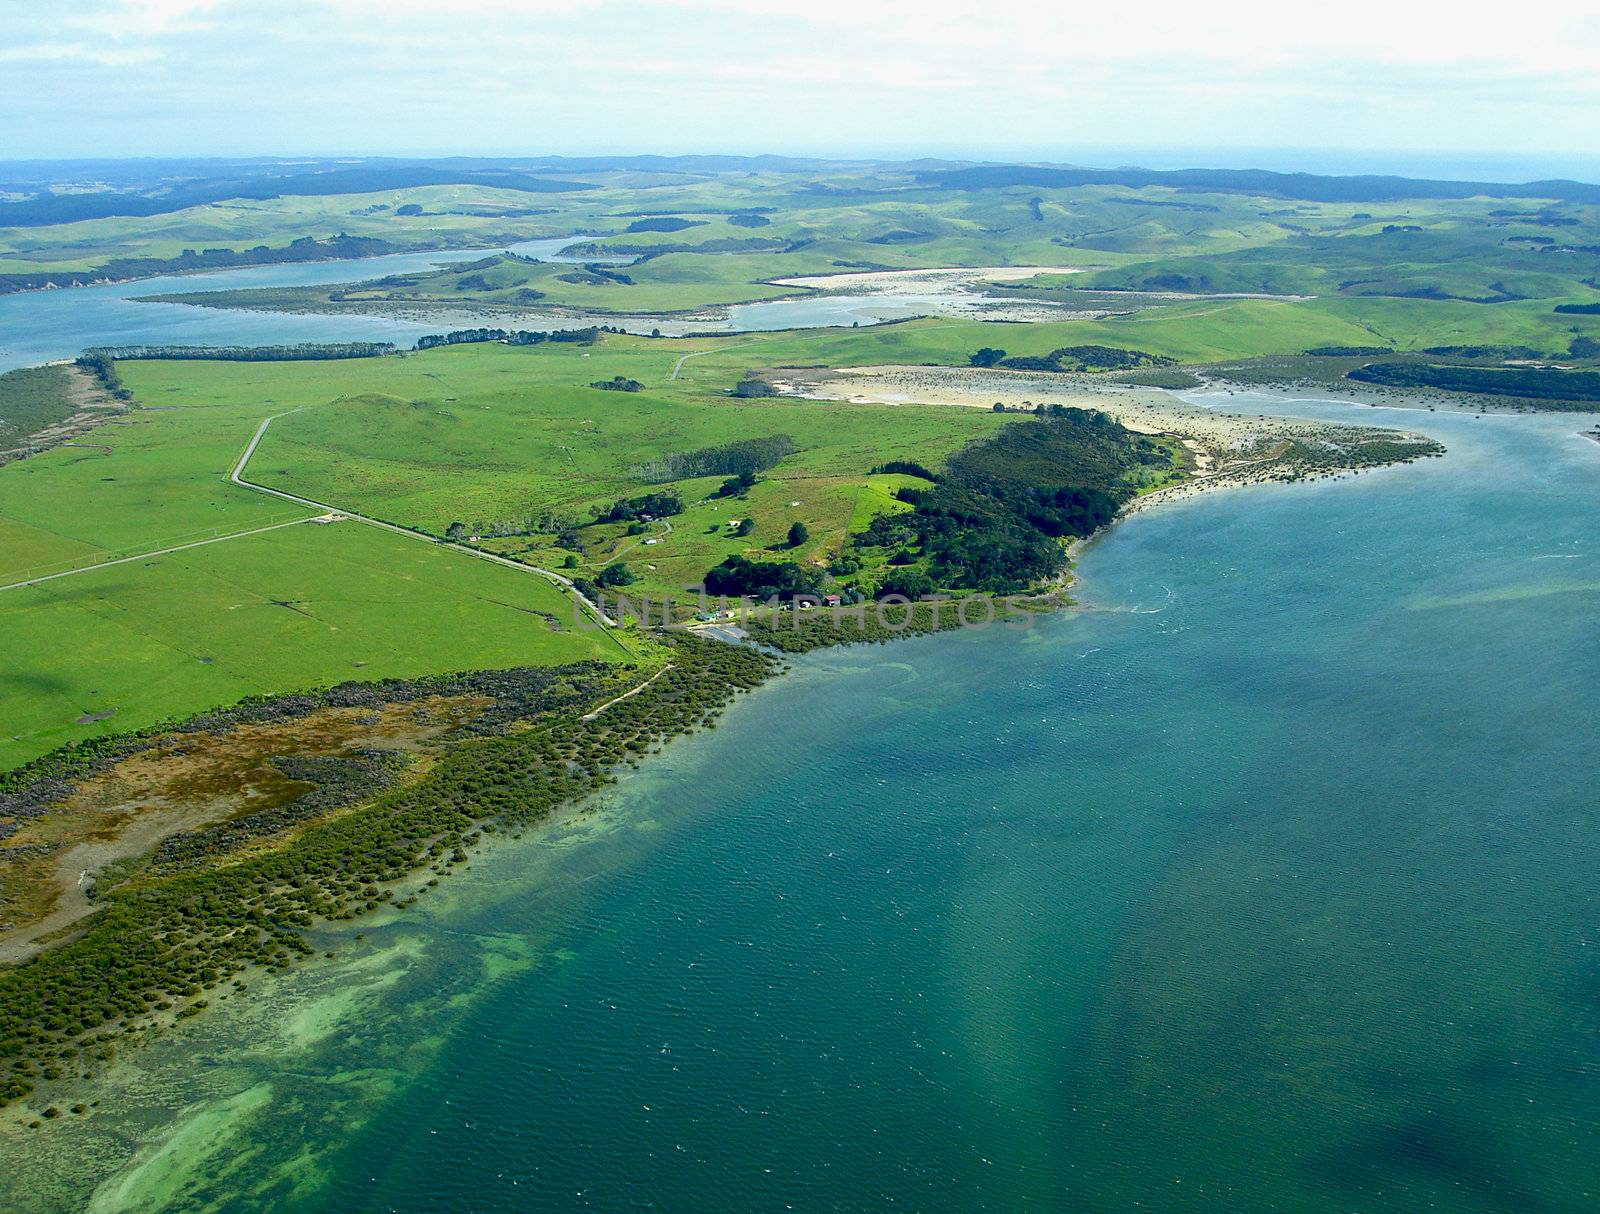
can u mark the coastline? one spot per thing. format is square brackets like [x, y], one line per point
[951, 291]
[157, 1124]
[119, 967]
[1229, 449]
[155, 1137]
[327, 1043]
[399, 888]
[440, 246]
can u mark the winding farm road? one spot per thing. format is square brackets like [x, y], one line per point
[678, 366]
[237, 477]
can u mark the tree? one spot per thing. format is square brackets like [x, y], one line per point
[745, 527]
[762, 579]
[751, 386]
[986, 357]
[455, 532]
[910, 583]
[798, 535]
[615, 575]
[736, 486]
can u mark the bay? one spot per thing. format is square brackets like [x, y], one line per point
[1265, 881]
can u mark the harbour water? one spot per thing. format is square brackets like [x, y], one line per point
[43, 326]
[1265, 881]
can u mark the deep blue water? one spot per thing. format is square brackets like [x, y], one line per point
[1264, 882]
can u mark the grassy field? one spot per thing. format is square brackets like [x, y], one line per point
[245, 223]
[488, 436]
[292, 607]
[151, 479]
[1405, 273]
[863, 214]
[484, 433]
[301, 606]
[466, 433]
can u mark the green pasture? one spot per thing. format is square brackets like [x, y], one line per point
[244, 223]
[150, 479]
[302, 606]
[487, 432]
[1408, 272]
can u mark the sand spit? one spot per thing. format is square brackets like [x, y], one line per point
[1228, 448]
[954, 280]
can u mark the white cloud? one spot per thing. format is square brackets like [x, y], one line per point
[771, 73]
[141, 19]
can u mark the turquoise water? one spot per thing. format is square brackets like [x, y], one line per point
[1266, 882]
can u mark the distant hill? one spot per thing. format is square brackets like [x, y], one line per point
[46, 207]
[1304, 187]
[137, 188]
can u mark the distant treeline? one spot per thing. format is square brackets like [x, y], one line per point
[513, 337]
[1484, 351]
[744, 457]
[1585, 309]
[299, 352]
[1308, 187]
[307, 248]
[1576, 391]
[1348, 351]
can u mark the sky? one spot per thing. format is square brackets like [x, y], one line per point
[1369, 85]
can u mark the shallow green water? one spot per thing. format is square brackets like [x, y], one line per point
[1268, 882]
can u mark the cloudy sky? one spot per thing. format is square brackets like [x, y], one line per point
[1383, 84]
